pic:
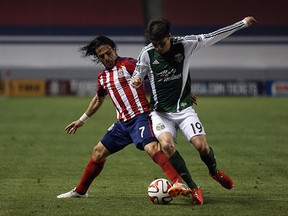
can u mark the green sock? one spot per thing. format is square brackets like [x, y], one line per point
[210, 162]
[179, 164]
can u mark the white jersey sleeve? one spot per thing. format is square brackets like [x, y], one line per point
[196, 42]
[142, 66]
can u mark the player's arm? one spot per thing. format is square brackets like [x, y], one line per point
[136, 79]
[205, 40]
[222, 33]
[94, 105]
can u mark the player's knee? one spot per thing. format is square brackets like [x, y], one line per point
[204, 149]
[99, 152]
[167, 143]
[166, 140]
[152, 148]
[169, 148]
[201, 144]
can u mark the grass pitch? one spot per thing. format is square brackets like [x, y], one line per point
[40, 161]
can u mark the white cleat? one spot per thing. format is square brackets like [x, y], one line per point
[72, 194]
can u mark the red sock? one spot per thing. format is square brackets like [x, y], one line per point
[161, 159]
[93, 169]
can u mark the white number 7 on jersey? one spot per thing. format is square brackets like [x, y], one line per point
[142, 130]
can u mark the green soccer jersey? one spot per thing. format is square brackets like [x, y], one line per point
[170, 87]
[169, 73]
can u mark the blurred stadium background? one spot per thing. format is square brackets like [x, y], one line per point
[40, 39]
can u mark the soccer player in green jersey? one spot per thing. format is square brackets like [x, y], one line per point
[165, 61]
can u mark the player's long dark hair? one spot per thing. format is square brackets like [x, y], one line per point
[90, 48]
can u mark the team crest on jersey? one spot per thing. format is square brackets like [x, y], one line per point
[160, 126]
[178, 57]
[120, 73]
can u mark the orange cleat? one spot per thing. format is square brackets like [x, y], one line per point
[179, 189]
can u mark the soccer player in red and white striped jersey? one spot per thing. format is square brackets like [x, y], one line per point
[133, 125]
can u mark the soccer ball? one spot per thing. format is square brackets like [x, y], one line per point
[158, 191]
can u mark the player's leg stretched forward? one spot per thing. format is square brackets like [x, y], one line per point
[159, 157]
[150, 144]
[92, 170]
[166, 135]
[179, 164]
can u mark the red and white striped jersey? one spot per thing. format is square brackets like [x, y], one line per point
[127, 100]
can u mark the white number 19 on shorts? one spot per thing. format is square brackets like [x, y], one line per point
[197, 128]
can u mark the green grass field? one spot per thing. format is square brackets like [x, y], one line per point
[39, 161]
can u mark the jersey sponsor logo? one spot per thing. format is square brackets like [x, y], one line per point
[178, 76]
[178, 57]
[168, 75]
[160, 126]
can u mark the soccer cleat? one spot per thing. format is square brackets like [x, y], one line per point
[223, 179]
[178, 188]
[72, 194]
[197, 196]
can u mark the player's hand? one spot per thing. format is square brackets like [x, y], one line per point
[136, 82]
[194, 98]
[72, 127]
[250, 20]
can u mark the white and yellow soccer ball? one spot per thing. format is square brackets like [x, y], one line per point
[158, 191]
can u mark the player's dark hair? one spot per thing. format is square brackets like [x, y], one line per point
[90, 48]
[157, 30]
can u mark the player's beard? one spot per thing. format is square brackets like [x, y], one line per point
[109, 64]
